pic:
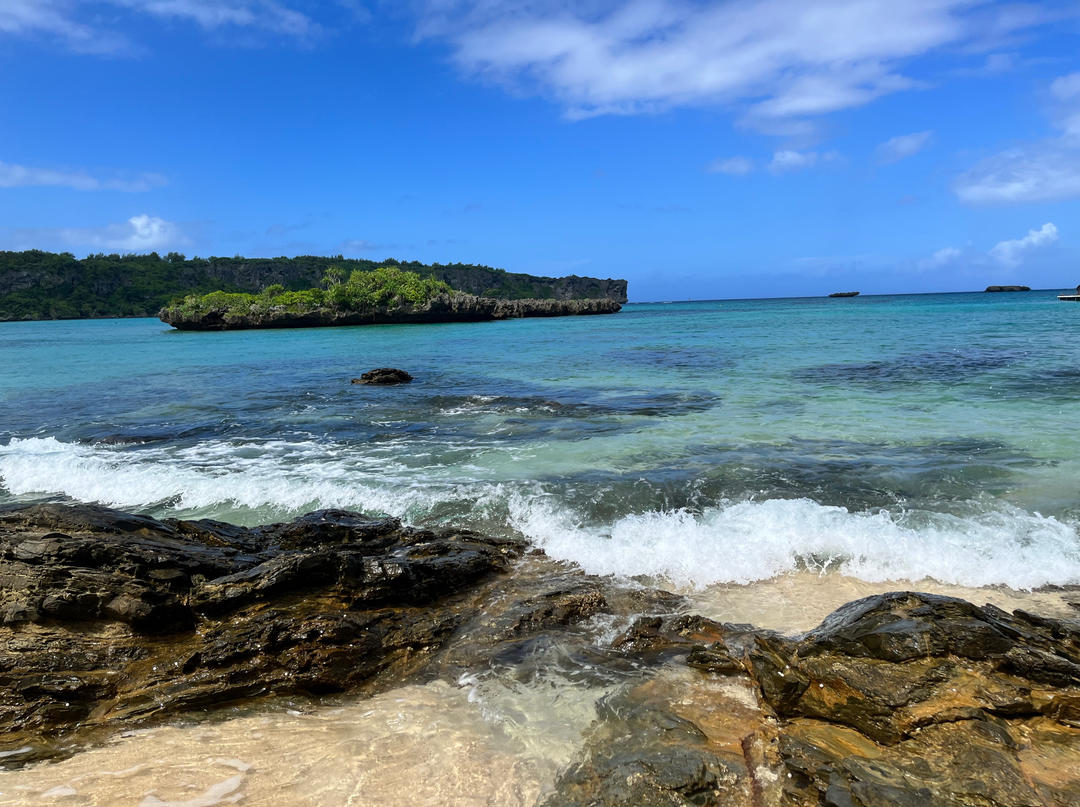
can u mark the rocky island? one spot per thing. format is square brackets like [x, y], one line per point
[112, 620]
[387, 295]
[35, 284]
[1007, 288]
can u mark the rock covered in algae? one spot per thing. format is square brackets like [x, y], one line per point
[384, 375]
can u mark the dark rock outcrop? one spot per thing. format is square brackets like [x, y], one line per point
[383, 375]
[443, 308]
[111, 620]
[1008, 288]
[900, 698]
[844, 294]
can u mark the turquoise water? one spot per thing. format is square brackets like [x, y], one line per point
[888, 438]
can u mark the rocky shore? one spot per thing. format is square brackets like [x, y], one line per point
[443, 308]
[112, 620]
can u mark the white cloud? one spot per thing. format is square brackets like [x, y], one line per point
[1010, 253]
[943, 257]
[777, 60]
[142, 233]
[1041, 171]
[1065, 91]
[733, 166]
[898, 148]
[55, 18]
[79, 25]
[787, 160]
[16, 176]
[267, 15]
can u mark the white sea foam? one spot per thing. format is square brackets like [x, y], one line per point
[747, 541]
[285, 477]
[731, 542]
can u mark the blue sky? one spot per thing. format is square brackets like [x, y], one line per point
[698, 149]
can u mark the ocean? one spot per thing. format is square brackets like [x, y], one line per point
[887, 438]
[771, 459]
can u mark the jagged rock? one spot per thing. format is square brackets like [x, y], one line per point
[384, 375]
[121, 618]
[674, 740]
[896, 699]
[921, 699]
[111, 620]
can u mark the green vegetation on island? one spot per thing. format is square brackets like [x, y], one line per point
[47, 285]
[384, 287]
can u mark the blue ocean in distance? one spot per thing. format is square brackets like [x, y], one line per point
[883, 438]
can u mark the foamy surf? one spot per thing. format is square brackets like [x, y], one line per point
[748, 541]
[991, 544]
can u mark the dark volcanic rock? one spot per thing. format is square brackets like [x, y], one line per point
[110, 618]
[384, 375]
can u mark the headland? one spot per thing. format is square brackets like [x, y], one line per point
[37, 285]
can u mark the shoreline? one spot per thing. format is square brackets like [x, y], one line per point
[201, 615]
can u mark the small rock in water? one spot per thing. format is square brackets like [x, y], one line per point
[384, 375]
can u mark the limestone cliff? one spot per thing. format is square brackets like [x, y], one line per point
[443, 308]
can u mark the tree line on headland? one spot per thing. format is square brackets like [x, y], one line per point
[383, 287]
[47, 285]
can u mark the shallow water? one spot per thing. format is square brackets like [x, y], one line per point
[890, 438]
[770, 459]
[435, 744]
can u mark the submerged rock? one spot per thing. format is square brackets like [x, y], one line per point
[384, 375]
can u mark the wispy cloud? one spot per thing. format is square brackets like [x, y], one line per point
[943, 257]
[788, 160]
[1041, 171]
[142, 233]
[995, 65]
[1008, 254]
[902, 146]
[267, 15]
[1011, 253]
[361, 246]
[22, 176]
[733, 166]
[778, 61]
[80, 26]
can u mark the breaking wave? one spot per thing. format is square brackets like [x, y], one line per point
[726, 542]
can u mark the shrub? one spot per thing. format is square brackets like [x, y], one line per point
[384, 287]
